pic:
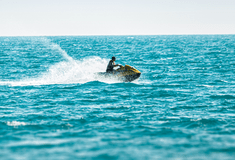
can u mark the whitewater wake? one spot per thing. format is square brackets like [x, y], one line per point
[68, 71]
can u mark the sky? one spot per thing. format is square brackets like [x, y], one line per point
[116, 17]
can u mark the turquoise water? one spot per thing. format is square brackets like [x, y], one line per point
[53, 106]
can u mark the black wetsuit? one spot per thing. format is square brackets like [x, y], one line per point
[110, 66]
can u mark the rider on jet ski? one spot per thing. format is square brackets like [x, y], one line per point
[111, 65]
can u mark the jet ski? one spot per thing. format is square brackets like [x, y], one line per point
[123, 73]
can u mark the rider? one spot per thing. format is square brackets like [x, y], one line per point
[111, 65]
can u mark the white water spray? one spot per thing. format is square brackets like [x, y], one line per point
[68, 71]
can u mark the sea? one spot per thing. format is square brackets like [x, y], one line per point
[53, 106]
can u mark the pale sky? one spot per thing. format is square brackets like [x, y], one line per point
[116, 17]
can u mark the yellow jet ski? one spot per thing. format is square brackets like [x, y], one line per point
[123, 73]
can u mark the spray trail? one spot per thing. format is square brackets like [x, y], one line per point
[65, 72]
[62, 52]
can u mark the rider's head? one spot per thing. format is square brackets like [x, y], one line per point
[113, 58]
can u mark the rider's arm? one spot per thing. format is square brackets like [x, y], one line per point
[115, 65]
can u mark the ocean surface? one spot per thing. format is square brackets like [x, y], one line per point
[53, 106]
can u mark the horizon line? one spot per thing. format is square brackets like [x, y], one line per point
[191, 34]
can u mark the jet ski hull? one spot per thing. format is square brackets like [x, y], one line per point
[126, 74]
[129, 78]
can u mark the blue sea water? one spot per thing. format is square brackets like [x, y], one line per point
[53, 106]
